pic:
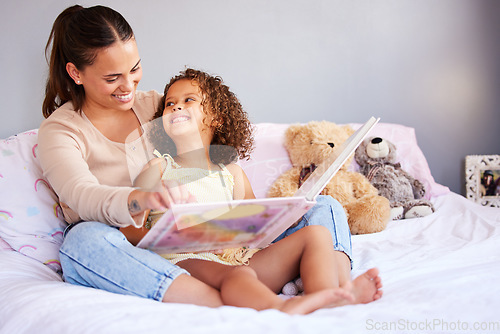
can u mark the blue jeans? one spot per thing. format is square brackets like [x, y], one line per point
[327, 212]
[99, 256]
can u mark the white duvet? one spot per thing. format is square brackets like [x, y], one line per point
[440, 273]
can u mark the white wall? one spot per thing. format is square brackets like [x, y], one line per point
[432, 65]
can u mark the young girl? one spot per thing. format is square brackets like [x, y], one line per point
[201, 116]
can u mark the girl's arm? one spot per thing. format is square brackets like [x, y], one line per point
[242, 187]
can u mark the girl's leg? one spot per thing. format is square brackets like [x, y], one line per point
[308, 252]
[99, 256]
[329, 213]
[240, 286]
[189, 290]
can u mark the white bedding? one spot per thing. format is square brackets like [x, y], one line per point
[440, 274]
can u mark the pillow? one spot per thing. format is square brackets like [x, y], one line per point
[30, 217]
[270, 159]
[4, 246]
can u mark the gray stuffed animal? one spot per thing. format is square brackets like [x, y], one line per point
[377, 160]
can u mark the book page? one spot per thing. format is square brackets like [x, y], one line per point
[210, 226]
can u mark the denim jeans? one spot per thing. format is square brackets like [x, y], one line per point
[329, 213]
[97, 255]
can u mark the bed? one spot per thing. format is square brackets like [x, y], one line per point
[440, 272]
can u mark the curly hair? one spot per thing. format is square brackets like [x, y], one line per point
[233, 132]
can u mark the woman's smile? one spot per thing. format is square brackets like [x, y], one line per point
[124, 98]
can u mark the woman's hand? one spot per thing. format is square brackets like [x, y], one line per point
[173, 192]
[141, 202]
[161, 198]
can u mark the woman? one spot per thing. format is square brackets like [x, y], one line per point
[94, 117]
[89, 150]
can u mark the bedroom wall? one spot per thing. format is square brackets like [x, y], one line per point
[431, 65]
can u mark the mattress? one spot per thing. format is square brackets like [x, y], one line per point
[440, 274]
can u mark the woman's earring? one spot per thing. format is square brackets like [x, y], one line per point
[78, 82]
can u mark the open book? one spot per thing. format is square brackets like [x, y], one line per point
[251, 223]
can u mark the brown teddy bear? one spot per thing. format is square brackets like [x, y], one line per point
[377, 161]
[308, 145]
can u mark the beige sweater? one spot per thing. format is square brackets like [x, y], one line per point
[91, 174]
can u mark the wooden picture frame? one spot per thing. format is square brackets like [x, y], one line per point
[482, 179]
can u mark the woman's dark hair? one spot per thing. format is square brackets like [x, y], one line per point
[233, 135]
[77, 35]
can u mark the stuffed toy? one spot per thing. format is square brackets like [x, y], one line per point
[293, 288]
[377, 160]
[308, 145]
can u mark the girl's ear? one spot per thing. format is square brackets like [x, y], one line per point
[74, 73]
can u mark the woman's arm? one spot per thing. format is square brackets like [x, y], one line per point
[62, 152]
[65, 145]
[90, 174]
[141, 201]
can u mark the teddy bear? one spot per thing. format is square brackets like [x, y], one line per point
[377, 160]
[308, 145]
[293, 288]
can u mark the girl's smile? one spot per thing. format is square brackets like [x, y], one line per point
[177, 118]
[184, 116]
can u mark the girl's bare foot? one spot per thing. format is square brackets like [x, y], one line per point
[366, 287]
[311, 302]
